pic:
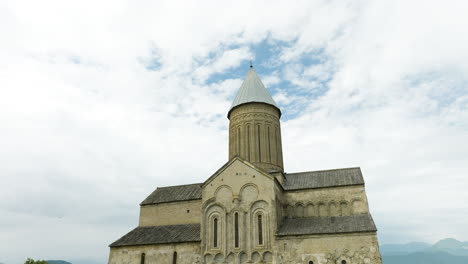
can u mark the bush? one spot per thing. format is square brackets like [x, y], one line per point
[32, 261]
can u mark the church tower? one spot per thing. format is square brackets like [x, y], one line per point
[254, 126]
[249, 210]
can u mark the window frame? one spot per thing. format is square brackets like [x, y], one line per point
[236, 230]
[215, 232]
[260, 225]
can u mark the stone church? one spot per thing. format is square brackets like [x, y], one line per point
[252, 211]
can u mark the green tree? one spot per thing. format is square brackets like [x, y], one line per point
[32, 261]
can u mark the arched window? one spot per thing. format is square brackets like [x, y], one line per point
[215, 232]
[236, 230]
[248, 143]
[260, 230]
[238, 141]
[259, 147]
[142, 258]
[269, 145]
[311, 262]
[174, 258]
[343, 261]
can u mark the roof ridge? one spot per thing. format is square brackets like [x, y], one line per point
[163, 187]
[169, 225]
[323, 170]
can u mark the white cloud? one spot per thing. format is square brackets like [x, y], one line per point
[87, 131]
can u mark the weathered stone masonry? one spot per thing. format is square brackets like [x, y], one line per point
[250, 210]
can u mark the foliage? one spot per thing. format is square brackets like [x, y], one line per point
[32, 261]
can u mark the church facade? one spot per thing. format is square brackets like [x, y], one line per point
[251, 210]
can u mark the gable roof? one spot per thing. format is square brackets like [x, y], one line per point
[327, 225]
[151, 235]
[323, 178]
[252, 90]
[293, 181]
[174, 194]
[227, 164]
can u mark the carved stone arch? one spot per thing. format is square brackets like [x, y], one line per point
[208, 258]
[223, 194]
[267, 257]
[208, 202]
[333, 208]
[249, 193]
[259, 204]
[310, 210]
[299, 210]
[230, 258]
[212, 212]
[259, 222]
[214, 207]
[358, 206]
[243, 257]
[219, 258]
[322, 209]
[256, 257]
[344, 208]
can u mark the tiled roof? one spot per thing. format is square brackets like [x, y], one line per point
[152, 235]
[294, 181]
[174, 194]
[327, 225]
[321, 179]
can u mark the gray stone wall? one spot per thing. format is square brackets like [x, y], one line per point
[187, 253]
[250, 193]
[255, 135]
[346, 200]
[175, 213]
[358, 248]
[242, 189]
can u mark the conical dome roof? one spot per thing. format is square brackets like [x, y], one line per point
[252, 90]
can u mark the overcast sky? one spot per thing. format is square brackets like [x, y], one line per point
[103, 101]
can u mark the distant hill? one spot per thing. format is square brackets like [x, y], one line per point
[57, 262]
[425, 258]
[404, 249]
[85, 261]
[74, 261]
[451, 246]
[446, 251]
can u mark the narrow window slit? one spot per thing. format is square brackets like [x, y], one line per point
[260, 231]
[236, 230]
[238, 141]
[269, 145]
[215, 233]
[259, 147]
[248, 143]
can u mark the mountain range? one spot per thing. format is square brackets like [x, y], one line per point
[446, 251]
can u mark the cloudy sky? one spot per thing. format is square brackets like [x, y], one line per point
[102, 101]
